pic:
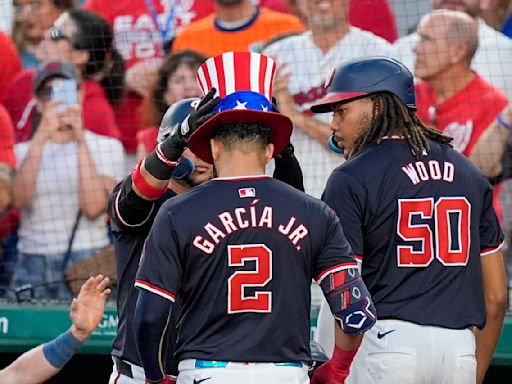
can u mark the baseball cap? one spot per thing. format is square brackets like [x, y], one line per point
[56, 68]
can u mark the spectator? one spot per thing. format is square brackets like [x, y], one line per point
[375, 16]
[176, 80]
[85, 39]
[451, 96]
[141, 27]
[45, 361]
[494, 53]
[304, 59]
[236, 25]
[10, 63]
[31, 19]
[62, 184]
[8, 216]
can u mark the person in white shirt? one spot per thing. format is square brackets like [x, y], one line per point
[62, 185]
[494, 54]
[304, 60]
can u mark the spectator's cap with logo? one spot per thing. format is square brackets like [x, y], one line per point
[244, 83]
[55, 69]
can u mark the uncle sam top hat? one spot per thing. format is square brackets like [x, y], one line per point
[244, 83]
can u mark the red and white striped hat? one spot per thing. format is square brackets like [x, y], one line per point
[244, 83]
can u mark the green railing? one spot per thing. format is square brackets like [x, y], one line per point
[23, 326]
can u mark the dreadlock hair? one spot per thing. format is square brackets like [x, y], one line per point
[243, 136]
[392, 117]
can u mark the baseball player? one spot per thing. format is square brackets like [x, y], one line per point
[419, 217]
[133, 207]
[240, 250]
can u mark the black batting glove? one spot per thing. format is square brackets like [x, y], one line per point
[175, 144]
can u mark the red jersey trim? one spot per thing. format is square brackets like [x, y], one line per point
[488, 251]
[358, 258]
[159, 291]
[235, 178]
[336, 268]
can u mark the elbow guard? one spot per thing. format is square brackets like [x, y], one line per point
[349, 300]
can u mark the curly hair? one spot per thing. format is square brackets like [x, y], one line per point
[392, 117]
[154, 108]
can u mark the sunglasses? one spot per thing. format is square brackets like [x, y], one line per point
[57, 35]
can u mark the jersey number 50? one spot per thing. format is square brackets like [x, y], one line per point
[238, 301]
[449, 245]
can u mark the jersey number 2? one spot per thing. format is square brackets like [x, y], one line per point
[238, 300]
[449, 245]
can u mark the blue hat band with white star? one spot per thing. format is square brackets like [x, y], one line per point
[241, 100]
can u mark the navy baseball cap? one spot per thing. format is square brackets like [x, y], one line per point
[57, 68]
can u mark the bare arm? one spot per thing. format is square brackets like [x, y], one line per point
[86, 312]
[24, 183]
[494, 280]
[93, 188]
[489, 149]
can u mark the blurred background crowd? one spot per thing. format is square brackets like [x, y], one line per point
[119, 64]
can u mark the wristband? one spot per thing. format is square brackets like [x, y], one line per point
[141, 184]
[502, 122]
[159, 166]
[60, 350]
[341, 359]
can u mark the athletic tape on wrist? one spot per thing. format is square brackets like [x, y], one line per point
[60, 350]
[141, 184]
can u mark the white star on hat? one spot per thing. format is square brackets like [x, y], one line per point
[240, 105]
[264, 108]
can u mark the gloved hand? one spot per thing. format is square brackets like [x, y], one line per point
[175, 144]
[328, 374]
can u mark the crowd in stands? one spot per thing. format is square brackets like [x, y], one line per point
[131, 59]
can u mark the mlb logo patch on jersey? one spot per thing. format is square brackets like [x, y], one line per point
[246, 192]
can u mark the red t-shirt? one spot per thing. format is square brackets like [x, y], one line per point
[7, 155]
[135, 35]
[10, 63]
[147, 137]
[466, 115]
[18, 99]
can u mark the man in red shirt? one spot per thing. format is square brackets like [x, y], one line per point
[451, 96]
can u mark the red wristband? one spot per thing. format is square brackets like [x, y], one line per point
[142, 186]
[341, 359]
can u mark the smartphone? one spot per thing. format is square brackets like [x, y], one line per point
[65, 91]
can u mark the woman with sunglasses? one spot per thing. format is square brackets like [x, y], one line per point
[31, 19]
[84, 39]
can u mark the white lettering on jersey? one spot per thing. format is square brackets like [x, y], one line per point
[418, 171]
[240, 219]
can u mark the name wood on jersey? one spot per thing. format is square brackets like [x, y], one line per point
[421, 171]
[241, 219]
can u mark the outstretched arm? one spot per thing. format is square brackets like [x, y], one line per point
[45, 361]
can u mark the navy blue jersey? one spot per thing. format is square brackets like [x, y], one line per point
[131, 220]
[420, 228]
[241, 254]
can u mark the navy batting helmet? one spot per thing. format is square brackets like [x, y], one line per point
[173, 117]
[363, 76]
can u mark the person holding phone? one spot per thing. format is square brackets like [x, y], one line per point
[62, 184]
